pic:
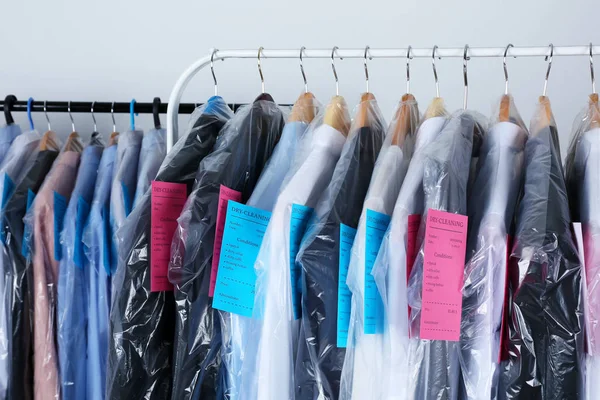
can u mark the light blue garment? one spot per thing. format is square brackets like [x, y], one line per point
[72, 289]
[154, 150]
[264, 196]
[8, 133]
[96, 241]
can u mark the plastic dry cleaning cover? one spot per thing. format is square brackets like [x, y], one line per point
[140, 347]
[231, 172]
[546, 321]
[269, 346]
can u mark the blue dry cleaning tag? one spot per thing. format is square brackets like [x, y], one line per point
[347, 235]
[376, 225]
[27, 227]
[245, 228]
[298, 223]
[83, 210]
[126, 198]
[7, 191]
[60, 207]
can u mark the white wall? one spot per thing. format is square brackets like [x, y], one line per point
[115, 50]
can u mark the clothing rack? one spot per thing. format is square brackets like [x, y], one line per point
[371, 53]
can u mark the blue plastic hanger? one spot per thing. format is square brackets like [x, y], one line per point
[132, 114]
[29, 104]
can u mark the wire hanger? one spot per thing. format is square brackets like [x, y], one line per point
[504, 114]
[549, 59]
[47, 119]
[335, 75]
[29, 104]
[363, 116]
[71, 116]
[9, 101]
[262, 78]
[592, 68]
[212, 70]
[336, 113]
[435, 75]
[506, 69]
[49, 140]
[408, 58]
[465, 59]
[156, 109]
[366, 68]
[304, 107]
[302, 69]
[436, 108]
[94, 118]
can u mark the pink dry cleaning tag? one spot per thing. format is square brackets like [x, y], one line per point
[167, 201]
[444, 263]
[225, 194]
[414, 221]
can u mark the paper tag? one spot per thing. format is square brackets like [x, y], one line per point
[444, 265]
[504, 340]
[167, 202]
[225, 194]
[27, 227]
[414, 221]
[347, 235]
[245, 228]
[298, 223]
[7, 191]
[126, 198]
[107, 239]
[60, 207]
[83, 210]
[376, 226]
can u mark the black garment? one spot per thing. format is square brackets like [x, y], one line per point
[142, 322]
[318, 259]
[546, 321]
[21, 379]
[445, 180]
[244, 146]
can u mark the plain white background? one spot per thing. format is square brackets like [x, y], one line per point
[115, 50]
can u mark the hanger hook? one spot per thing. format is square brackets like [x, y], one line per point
[409, 57]
[549, 59]
[46, 114]
[302, 69]
[435, 75]
[465, 59]
[71, 116]
[506, 69]
[592, 68]
[112, 114]
[29, 105]
[212, 70]
[94, 117]
[335, 75]
[9, 101]
[366, 68]
[132, 114]
[262, 78]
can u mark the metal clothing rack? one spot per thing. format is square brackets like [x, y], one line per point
[462, 52]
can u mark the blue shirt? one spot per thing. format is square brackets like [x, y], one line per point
[96, 240]
[72, 290]
[8, 133]
[154, 150]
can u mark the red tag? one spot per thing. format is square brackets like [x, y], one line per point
[444, 265]
[225, 194]
[414, 221]
[504, 340]
[167, 201]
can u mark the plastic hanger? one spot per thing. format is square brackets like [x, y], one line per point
[263, 95]
[114, 136]
[132, 115]
[29, 104]
[436, 108]
[155, 112]
[9, 101]
[504, 115]
[336, 112]
[303, 109]
[403, 114]
[49, 141]
[594, 107]
[362, 116]
[73, 143]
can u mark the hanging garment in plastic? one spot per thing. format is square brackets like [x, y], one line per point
[232, 170]
[434, 364]
[20, 380]
[319, 361]
[72, 287]
[390, 271]
[583, 184]
[268, 370]
[142, 323]
[152, 154]
[96, 247]
[235, 328]
[17, 161]
[8, 133]
[491, 208]
[546, 321]
[45, 221]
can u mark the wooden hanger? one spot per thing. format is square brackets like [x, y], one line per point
[49, 142]
[436, 109]
[362, 116]
[504, 115]
[303, 109]
[594, 111]
[73, 143]
[544, 117]
[404, 120]
[337, 116]
[114, 139]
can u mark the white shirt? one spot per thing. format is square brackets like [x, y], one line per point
[273, 372]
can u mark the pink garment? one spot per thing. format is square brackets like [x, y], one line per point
[61, 179]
